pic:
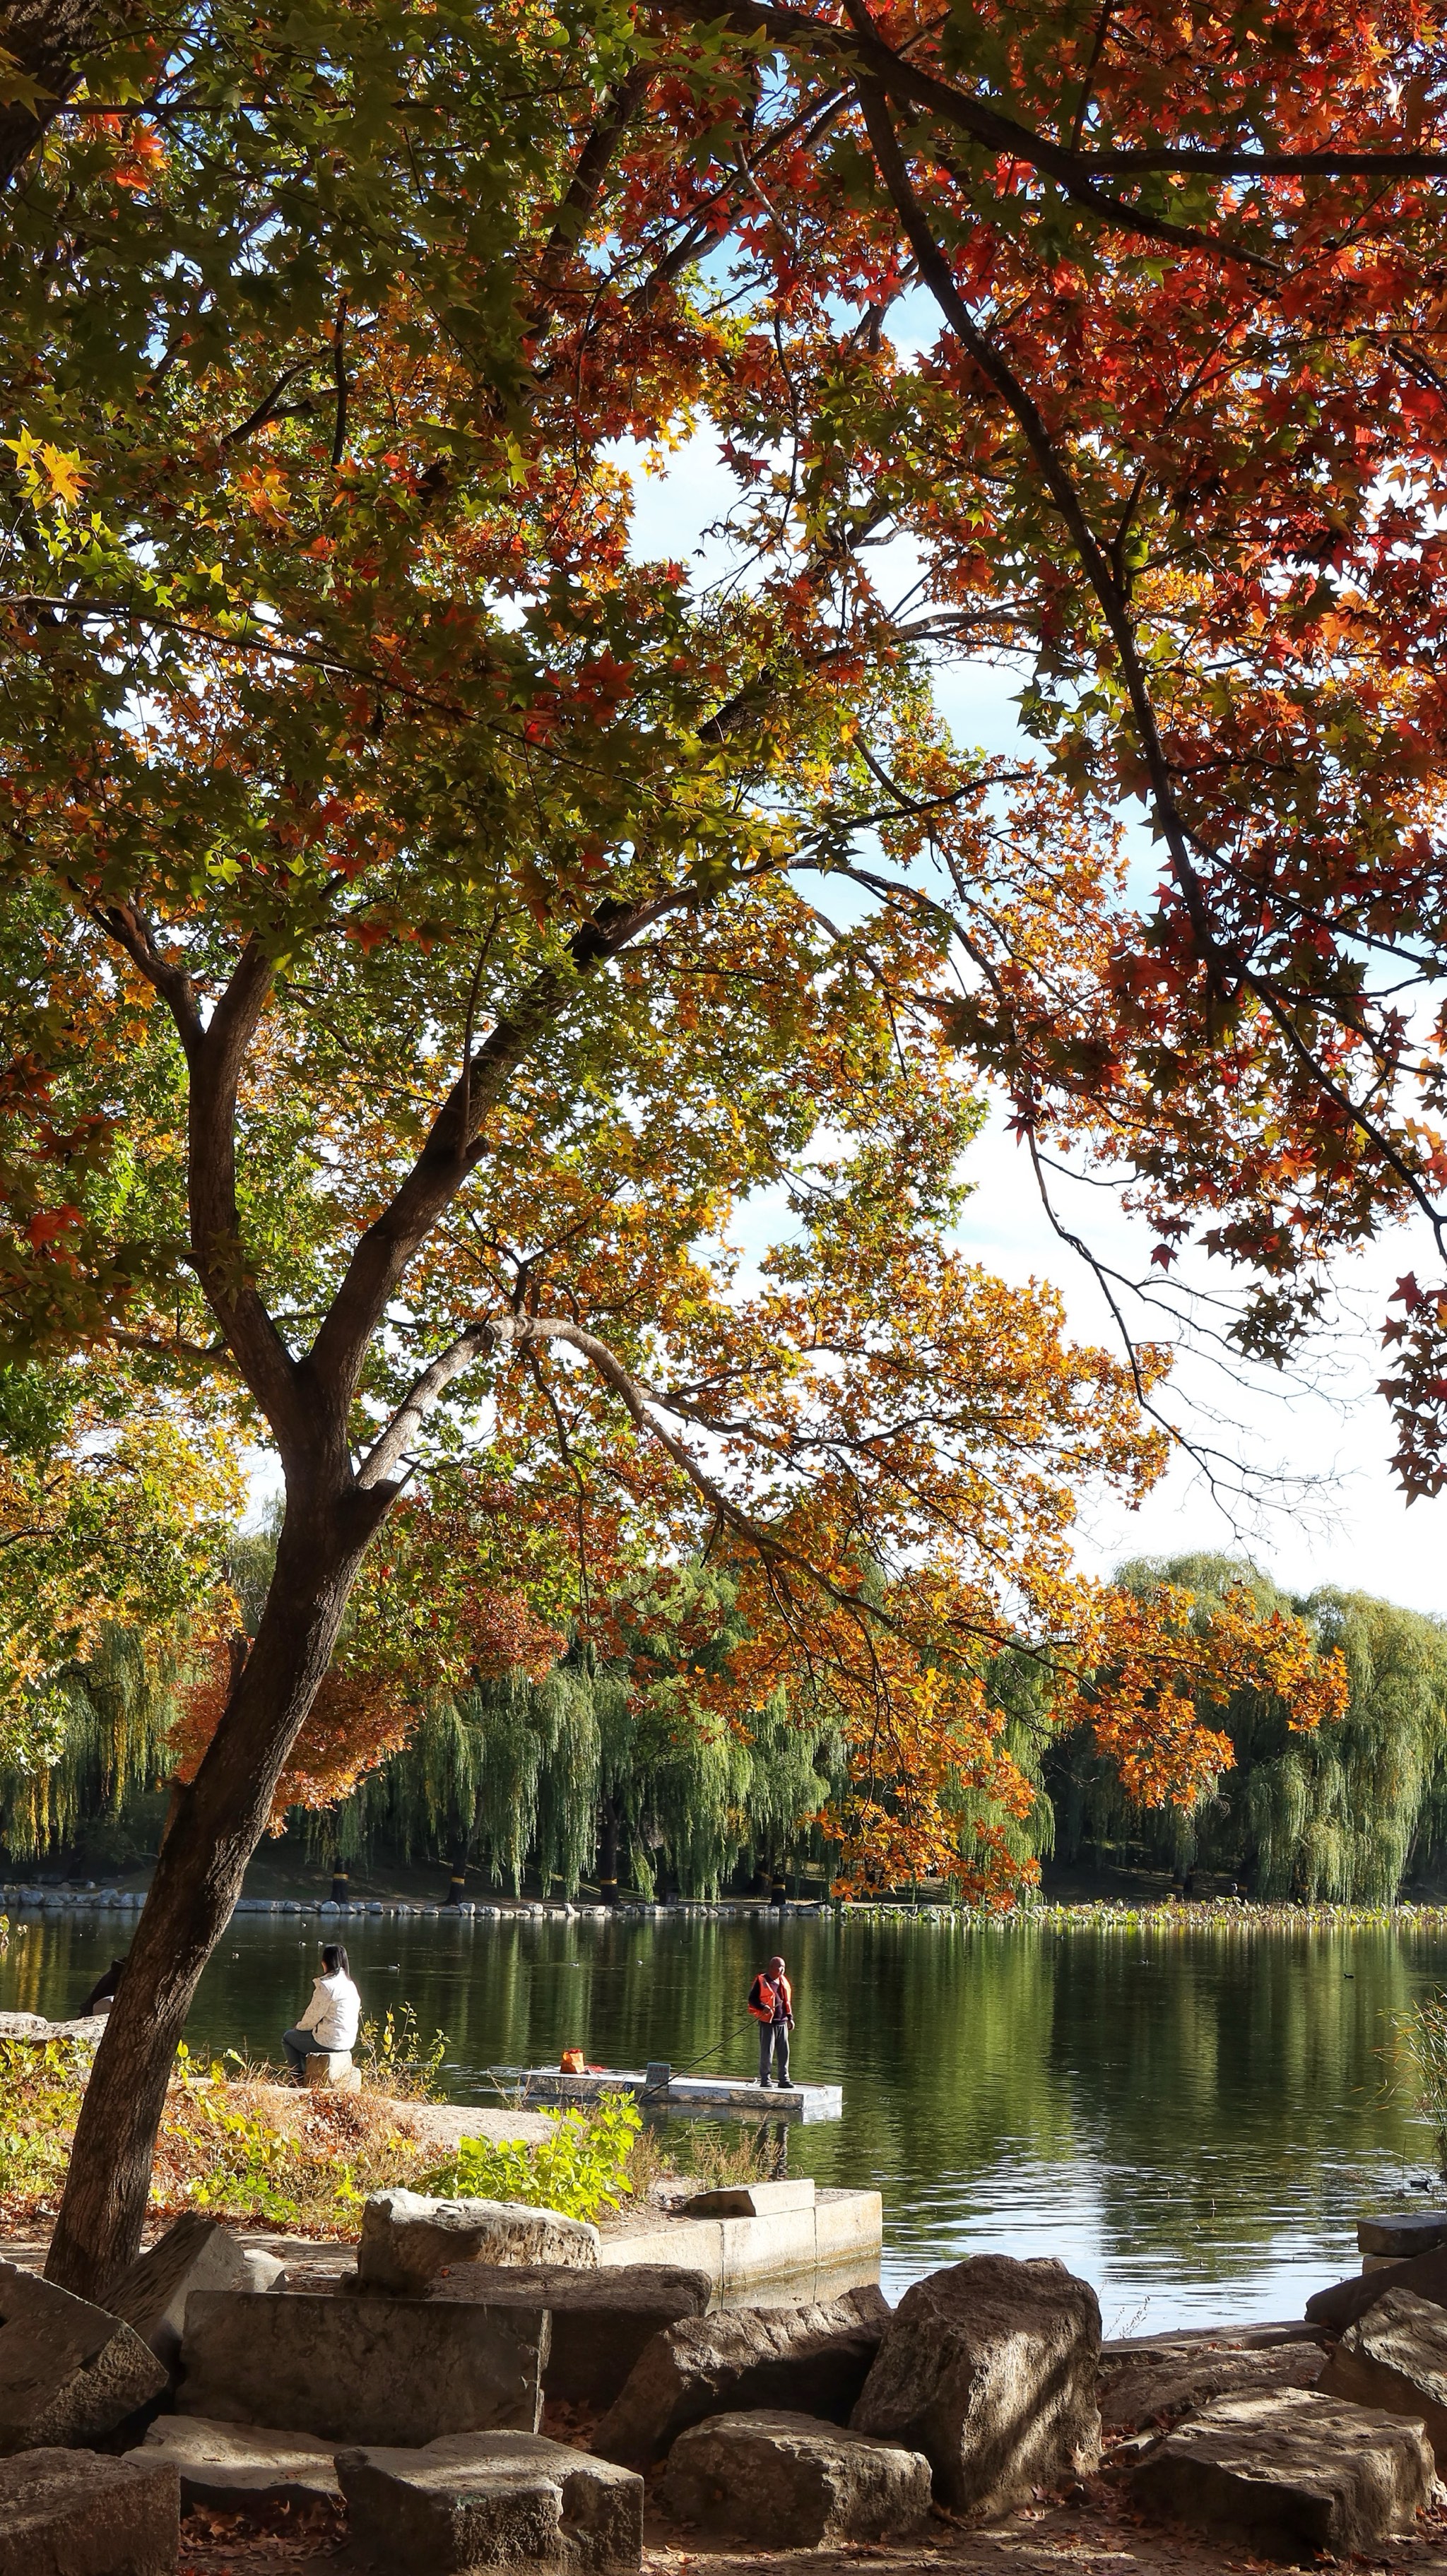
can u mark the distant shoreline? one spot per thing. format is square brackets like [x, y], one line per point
[1175, 1917]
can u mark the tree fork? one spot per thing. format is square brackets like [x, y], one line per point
[219, 1820]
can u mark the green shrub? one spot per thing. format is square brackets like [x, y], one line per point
[393, 2060]
[581, 2169]
[40, 2090]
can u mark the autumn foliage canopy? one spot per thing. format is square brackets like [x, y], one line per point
[491, 1010]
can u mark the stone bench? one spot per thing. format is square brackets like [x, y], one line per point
[330, 2070]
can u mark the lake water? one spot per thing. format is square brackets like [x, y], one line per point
[1191, 2119]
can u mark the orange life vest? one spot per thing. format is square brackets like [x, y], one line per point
[763, 2010]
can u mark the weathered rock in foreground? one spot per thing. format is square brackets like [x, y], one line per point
[602, 2321]
[796, 2482]
[70, 2513]
[1291, 2472]
[504, 2500]
[198, 2253]
[1170, 2383]
[407, 2240]
[808, 2361]
[234, 2465]
[362, 2369]
[989, 2368]
[1341, 2305]
[69, 2373]
[1396, 2357]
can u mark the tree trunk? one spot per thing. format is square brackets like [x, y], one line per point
[218, 1824]
[46, 39]
[457, 1880]
[608, 1851]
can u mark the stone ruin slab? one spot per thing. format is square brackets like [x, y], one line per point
[1396, 2357]
[1399, 2233]
[1170, 2383]
[234, 2466]
[198, 2253]
[407, 2239]
[990, 2368]
[362, 2369]
[810, 2360]
[1340, 2306]
[794, 2482]
[602, 2321]
[70, 2373]
[751, 2200]
[73, 2513]
[511, 2499]
[1291, 2472]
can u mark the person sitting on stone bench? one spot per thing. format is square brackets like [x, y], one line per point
[329, 2025]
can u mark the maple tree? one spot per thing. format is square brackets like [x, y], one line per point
[420, 933]
[1173, 443]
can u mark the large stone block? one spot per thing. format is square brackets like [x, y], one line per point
[506, 2500]
[235, 2466]
[989, 2368]
[1167, 2383]
[69, 2373]
[362, 2369]
[752, 2200]
[407, 2240]
[1425, 2275]
[1401, 2232]
[72, 2513]
[198, 2253]
[792, 2481]
[1396, 2357]
[1291, 2472]
[808, 2361]
[330, 2070]
[602, 2321]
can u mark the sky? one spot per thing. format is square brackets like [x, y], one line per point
[1310, 1493]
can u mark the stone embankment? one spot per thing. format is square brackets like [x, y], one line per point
[23, 1898]
[480, 2389]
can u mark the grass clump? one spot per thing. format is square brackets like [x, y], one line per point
[1423, 2033]
[394, 2060]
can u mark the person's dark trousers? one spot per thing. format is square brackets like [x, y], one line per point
[774, 2042]
[299, 2046]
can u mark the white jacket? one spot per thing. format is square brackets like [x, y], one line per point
[334, 2013]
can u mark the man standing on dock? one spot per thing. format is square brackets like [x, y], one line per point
[771, 2001]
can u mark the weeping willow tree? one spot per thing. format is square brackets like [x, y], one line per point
[1338, 1816]
[580, 1768]
[1019, 1686]
[116, 1710]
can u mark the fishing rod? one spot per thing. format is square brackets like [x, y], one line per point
[730, 2034]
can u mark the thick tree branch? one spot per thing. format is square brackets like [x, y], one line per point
[389, 1447]
[215, 1054]
[860, 50]
[45, 40]
[585, 187]
[454, 1143]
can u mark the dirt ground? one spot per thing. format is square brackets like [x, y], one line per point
[1094, 2531]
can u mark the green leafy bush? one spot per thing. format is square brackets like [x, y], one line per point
[581, 2169]
[40, 2089]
